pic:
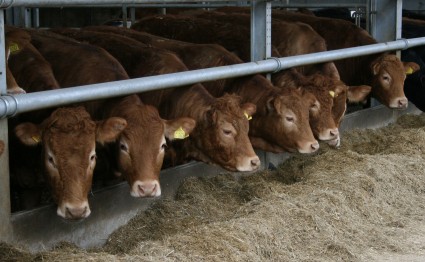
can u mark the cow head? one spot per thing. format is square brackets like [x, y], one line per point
[222, 135]
[388, 75]
[142, 144]
[324, 88]
[68, 138]
[284, 122]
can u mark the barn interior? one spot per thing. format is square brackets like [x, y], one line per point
[111, 205]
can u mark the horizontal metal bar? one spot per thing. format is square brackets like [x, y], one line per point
[10, 105]
[65, 3]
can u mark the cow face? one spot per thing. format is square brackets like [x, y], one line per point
[222, 137]
[389, 74]
[286, 122]
[68, 139]
[142, 146]
[324, 88]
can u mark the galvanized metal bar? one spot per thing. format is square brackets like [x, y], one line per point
[259, 31]
[5, 211]
[110, 3]
[86, 3]
[10, 105]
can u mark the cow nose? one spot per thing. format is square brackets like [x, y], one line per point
[314, 146]
[76, 212]
[402, 102]
[255, 163]
[334, 132]
[146, 189]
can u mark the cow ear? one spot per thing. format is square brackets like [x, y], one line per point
[270, 104]
[329, 69]
[375, 67]
[249, 109]
[179, 128]
[410, 67]
[28, 133]
[211, 116]
[358, 93]
[108, 130]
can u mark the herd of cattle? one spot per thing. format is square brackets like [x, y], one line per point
[218, 122]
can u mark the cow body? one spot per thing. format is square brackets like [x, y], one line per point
[51, 128]
[265, 131]
[325, 123]
[202, 31]
[384, 72]
[225, 125]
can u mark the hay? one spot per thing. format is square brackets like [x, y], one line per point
[363, 202]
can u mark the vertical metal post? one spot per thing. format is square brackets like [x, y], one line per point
[133, 14]
[124, 16]
[5, 211]
[35, 17]
[260, 30]
[386, 21]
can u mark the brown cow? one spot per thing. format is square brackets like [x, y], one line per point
[383, 71]
[289, 39]
[53, 130]
[332, 95]
[140, 146]
[325, 122]
[291, 133]
[221, 135]
[68, 139]
[186, 28]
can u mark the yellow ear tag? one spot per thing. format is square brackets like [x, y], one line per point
[332, 93]
[409, 71]
[13, 47]
[247, 116]
[180, 134]
[36, 139]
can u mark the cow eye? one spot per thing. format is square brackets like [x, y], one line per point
[227, 132]
[164, 146]
[290, 119]
[123, 147]
[386, 78]
[93, 157]
[51, 161]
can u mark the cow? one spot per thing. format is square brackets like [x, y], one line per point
[384, 72]
[291, 132]
[68, 139]
[139, 147]
[332, 95]
[326, 128]
[52, 128]
[289, 39]
[221, 133]
[12, 46]
[187, 29]
[414, 86]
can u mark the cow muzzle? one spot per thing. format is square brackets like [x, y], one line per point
[74, 211]
[145, 189]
